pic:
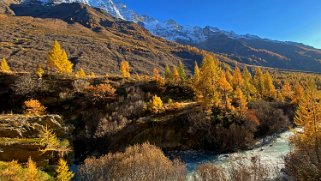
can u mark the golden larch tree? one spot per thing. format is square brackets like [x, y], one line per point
[298, 93]
[125, 69]
[240, 100]
[168, 74]
[175, 75]
[308, 117]
[4, 66]
[39, 71]
[157, 77]
[156, 105]
[259, 82]
[269, 89]
[197, 73]
[63, 172]
[237, 78]
[208, 85]
[248, 88]
[34, 108]
[229, 77]
[81, 73]
[286, 90]
[225, 88]
[58, 59]
[182, 72]
[32, 171]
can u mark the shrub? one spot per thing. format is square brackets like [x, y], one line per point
[40, 72]
[34, 108]
[143, 162]
[80, 73]
[209, 171]
[25, 85]
[156, 105]
[272, 119]
[80, 85]
[239, 169]
[101, 90]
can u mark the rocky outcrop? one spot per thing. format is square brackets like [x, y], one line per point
[21, 126]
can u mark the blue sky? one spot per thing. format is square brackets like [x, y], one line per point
[288, 20]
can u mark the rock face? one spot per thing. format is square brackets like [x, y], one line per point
[20, 126]
[19, 137]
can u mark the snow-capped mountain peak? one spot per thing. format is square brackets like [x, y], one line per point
[169, 29]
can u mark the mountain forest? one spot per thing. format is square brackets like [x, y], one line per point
[86, 96]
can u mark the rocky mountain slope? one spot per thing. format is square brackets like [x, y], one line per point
[247, 49]
[94, 40]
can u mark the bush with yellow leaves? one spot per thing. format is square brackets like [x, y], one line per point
[156, 105]
[34, 108]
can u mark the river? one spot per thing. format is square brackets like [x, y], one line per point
[270, 150]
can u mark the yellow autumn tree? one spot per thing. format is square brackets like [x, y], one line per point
[49, 139]
[32, 171]
[269, 89]
[197, 74]
[34, 108]
[156, 105]
[175, 75]
[237, 78]
[225, 89]
[229, 77]
[298, 93]
[63, 172]
[80, 73]
[240, 100]
[58, 59]
[287, 90]
[308, 117]
[92, 75]
[168, 74]
[182, 72]
[39, 71]
[208, 85]
[157, 77]
[259, 82]
[125, 69]
[4, 66]
[248, 88]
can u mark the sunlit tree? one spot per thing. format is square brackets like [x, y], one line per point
[240, 100]
[58, 59]
[237, 78]
[4, 66]
[208, 85]
[182, 72]
[259, 81]
[286, 90]
[156, 105]
[80, 73]
[34, 108]
[168, 74]
[175, 75]
[308, 117]
[269, 89]
[298, 93]
[225, 89]
[63, 172]
[39, 71]
[125, 69]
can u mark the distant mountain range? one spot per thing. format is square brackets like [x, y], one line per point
[247, 49]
